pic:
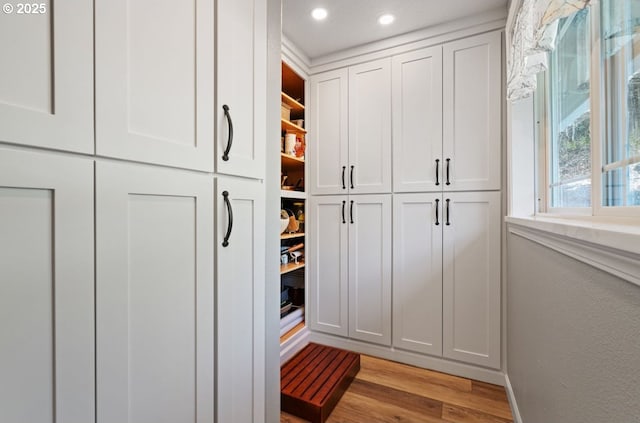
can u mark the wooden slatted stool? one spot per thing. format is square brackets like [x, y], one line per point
[314, 380]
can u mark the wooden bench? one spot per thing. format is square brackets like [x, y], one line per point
[314, 380]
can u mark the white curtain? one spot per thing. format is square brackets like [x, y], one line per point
[532, 38]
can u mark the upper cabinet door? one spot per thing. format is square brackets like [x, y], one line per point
[241, 86]
[417, 272]
[472, 113]
[46, 77]
[370, 268]
[471, 278]
[417, 121]
[370, 127]
[155, 81]
[328, 136]
[154, 295]
[46, 288]
[240, 285]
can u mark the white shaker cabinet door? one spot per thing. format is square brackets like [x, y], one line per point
[241, 45]
[328, 136]
[370, 268]
[154, 70]
[417, 121]
[46, 288]
[46, 77]
[240, 291]
[154, 295]
[327, 264]
[471, 278]
[370, 127]
[417, 272]
[472, 109]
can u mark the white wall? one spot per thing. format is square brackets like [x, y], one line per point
[573, 342]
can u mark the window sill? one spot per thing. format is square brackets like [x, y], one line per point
[612, 245]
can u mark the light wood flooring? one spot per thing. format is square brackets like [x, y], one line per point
[387, 392]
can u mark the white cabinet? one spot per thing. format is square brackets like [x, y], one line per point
[46, 77]
[471, 275]
[417, 272]
[240, 293]
[241, 86]
[154, 295]
[472, 108]
[350, 130]
[46, 288]
[417, 121]
[446, 116]
[329, 133]
[350, 266]
[154, 67]
[370, 127]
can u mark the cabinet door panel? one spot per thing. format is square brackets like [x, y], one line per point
[46, 288]
[328, 264]
[417, 272]
[328, 137]
[154, 82]
[155, 354]
[370, 127]
[370, 269]
[240, 292]
[46, 77]
[471, 284]
[241, 85]
[417, 121]
[472, 112]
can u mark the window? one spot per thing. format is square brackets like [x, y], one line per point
[591, 95]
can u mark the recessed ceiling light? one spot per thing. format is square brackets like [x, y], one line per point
[386, 19]
[319, 13]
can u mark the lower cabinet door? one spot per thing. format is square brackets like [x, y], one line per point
[240, 293]
[370, 268]
[46, 288]
[417, 272]
[471, 277]
[327, 264]
[154, 295]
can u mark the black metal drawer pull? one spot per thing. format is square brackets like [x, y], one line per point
[343, 204]
[448, 162]
[344, 168]
[448, 222]
[225, 155]
[438, 172]
[225, 195]
[351, 212]
[351, 177]
[437, 207]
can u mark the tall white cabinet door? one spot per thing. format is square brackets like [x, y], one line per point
[472, 110]
[46, 77]
[370, 268]
[240, 291]
[417, 272]
[241, 46]
[46, 288]
[328, 136]
[327, 264]
[154, 295]
[370, 127]
[417, 121]
[154, 70]
[471, 280]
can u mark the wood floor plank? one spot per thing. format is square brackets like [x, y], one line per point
[455, 414]
[488, 390]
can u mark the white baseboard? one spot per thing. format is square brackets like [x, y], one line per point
[512, 400]
[495, 377]
[291, 346]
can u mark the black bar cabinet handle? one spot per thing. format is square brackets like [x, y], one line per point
[351, 177]
[438, 172]
[343, 219]
[225, 155]
[351, 212]
[344, 168]
[437, 207]
[448, 222]
[448, 161]
[225, 195]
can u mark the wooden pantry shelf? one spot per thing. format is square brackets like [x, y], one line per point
[291, 102]
[292, 236]
[290, 267]
[291, 161]
[291, 127]
[296, 195]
